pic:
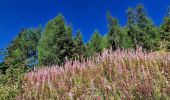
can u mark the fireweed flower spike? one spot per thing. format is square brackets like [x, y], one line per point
[126, 74]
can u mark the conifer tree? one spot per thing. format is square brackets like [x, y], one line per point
[113, 30]
[131, 26]
[23, 48]
[165, 32]
[125, 41]
[105, 43]
[56, 43]
[146, 30]
[117, 36]
[79, 47]
[97, 42]
[95, 45]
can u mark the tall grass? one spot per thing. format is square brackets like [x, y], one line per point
[108, 76]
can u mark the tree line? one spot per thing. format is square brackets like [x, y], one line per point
[55, 43]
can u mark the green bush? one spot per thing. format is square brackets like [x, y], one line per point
[10, 84]
[8, 92]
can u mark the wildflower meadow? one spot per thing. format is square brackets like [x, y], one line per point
[107, 76]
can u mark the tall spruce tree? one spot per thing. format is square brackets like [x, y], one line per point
[125, 42]
[95, 45]
[146, 31]
[131, 26]
[56, 43]
[113, 30]
[165, 32]
[79, 47]
[105, 43]
[117, 36]
[97, 42]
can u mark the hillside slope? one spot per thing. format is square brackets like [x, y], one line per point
[111, 75]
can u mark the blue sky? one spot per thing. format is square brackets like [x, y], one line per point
[86, 15]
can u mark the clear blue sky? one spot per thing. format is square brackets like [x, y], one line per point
[86, 15]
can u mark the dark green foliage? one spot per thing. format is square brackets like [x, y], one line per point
[125, 41]
[79, 47]
[165, 34]
[105, 42]
[113, 30]
[117, 36]
[95, 45]
[141, 29]
[131, 26]
[97, 42]
[146, 31]
[89, 51]
[23, 49]
[130, 17]
[56, 42]
[3, 68]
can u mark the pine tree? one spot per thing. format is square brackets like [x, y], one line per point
[146, 30]
[79, 47]
[89, 50]
[95, 45]
[131, 27]
[165, 32]
[125, 40]
[105, 43]
[113, 31]
[97, 42]
[56, 43]
[117, 36]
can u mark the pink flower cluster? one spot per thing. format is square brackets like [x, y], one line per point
[111, 75]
